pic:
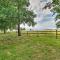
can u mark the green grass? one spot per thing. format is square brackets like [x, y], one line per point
[31, 47]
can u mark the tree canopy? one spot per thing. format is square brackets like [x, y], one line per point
[56, 9]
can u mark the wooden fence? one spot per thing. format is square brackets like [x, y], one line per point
[38, 33]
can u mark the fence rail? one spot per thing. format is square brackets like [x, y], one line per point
[56, 33]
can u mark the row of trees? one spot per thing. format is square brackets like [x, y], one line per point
[15, 12]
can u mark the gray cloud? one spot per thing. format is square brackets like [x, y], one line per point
[44, 18]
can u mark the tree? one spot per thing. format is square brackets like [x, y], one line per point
[56, 9]
[24, 15]
[6, 12]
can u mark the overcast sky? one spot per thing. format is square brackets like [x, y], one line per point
[44, 18]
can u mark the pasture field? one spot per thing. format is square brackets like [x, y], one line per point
[31, 47]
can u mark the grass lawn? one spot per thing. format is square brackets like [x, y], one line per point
[29, 47]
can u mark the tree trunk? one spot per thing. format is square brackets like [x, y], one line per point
[4, 31]
[19, 30]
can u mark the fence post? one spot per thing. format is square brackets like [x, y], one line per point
[37, 33]
[56, 33]
[27, 33]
